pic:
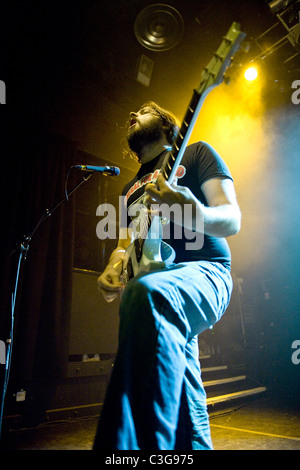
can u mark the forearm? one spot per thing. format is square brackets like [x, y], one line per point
[218, 221]
[221, 221]
[221, 217]
[116, 258]
[117, 255]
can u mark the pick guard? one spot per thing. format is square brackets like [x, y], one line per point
[155, 254]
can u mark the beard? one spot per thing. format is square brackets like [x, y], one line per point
[138, 136]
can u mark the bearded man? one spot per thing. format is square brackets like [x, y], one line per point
[155, 399]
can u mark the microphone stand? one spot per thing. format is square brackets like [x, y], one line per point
[24, 248]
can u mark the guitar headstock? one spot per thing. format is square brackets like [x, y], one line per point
[213, 74]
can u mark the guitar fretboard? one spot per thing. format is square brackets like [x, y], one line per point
[173, 159]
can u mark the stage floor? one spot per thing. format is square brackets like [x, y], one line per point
[262, 424]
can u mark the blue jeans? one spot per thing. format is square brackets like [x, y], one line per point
[155, 398]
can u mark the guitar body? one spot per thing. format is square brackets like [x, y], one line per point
[152, 255]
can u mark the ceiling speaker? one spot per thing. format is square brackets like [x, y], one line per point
[159, 27]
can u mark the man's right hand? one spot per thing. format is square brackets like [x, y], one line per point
[109, 284]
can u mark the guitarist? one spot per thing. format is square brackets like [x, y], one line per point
[155, 398]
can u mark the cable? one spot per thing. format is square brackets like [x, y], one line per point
[10, 341]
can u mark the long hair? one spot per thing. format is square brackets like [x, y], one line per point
[170, 126]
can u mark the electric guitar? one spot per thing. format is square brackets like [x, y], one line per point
[148, 252]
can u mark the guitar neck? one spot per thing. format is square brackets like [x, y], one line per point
[174, 157]
[212, 76]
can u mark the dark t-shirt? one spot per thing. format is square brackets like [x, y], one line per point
[200, 163]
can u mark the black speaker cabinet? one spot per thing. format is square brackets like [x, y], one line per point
[94, 327]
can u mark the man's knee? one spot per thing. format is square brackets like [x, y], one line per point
[141, 287]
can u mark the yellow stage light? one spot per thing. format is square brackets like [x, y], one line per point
[251, 74]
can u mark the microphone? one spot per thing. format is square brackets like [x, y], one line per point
[105, 170]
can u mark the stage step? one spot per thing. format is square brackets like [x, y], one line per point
[213, 369]
[222, 381]
[225, 383]
[234, 396]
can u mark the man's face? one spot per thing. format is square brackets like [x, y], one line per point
[145, 128]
